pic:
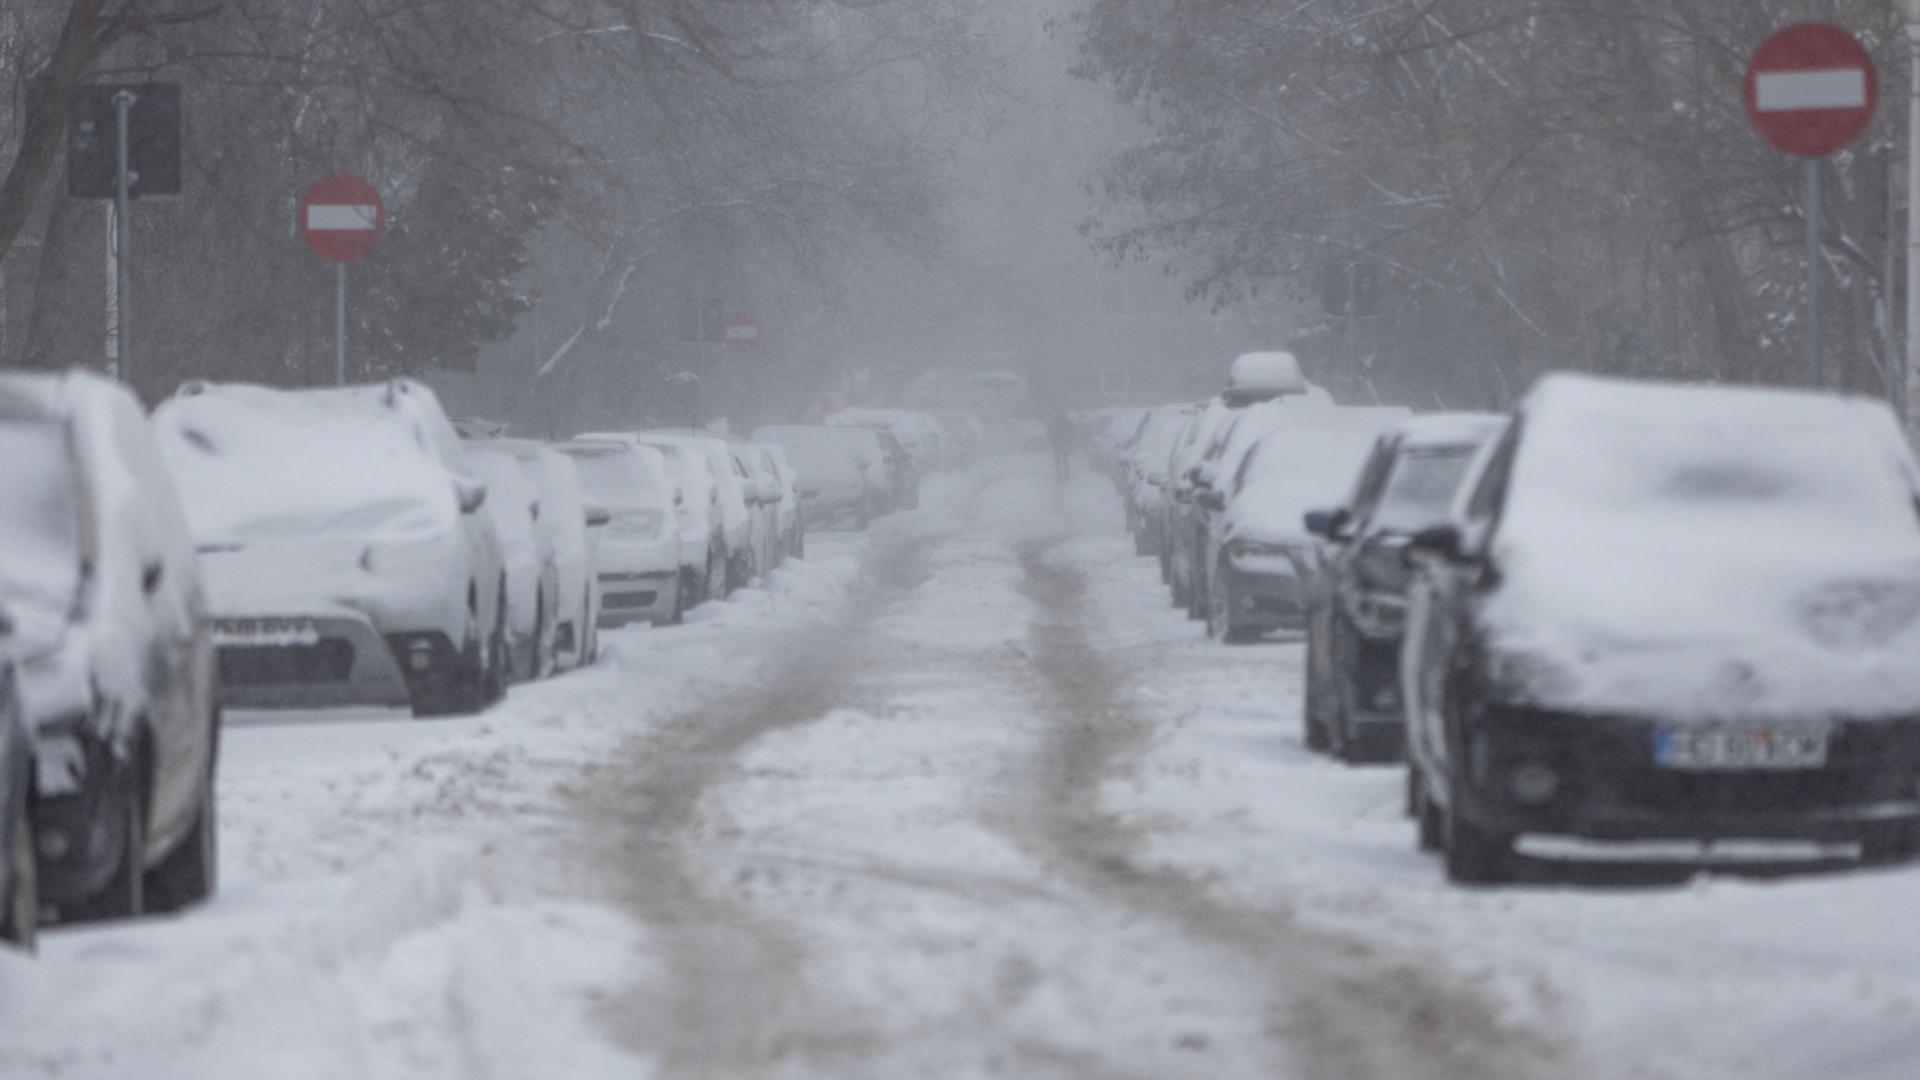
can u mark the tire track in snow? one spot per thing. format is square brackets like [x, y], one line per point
[1334, 1008]
[734, 999]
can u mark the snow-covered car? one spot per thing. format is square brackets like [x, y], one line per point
[880, 467]
[731, 509]
[99, 579]
[1261, 561]
[1356, 605]
[19, 869]
[920, 434]
[832, 475]
[777, 476]
[1683, 617]
[568, 528]
[695, 497]
[642, 566]
[348, 554]
[761, 487]
[1146, 475]
[903, 470]
[533, 572]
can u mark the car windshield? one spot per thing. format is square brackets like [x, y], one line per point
[616, 479]
[40, 552]
[1422, 486]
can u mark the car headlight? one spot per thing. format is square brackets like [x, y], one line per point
[637, 524]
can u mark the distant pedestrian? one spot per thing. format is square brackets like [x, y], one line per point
[1060, 434]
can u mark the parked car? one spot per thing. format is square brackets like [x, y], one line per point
[761, 486]
[1146, 475]
[533, 571]
[1259, 386]
[730, 500]
[643, 570]
[881, 468]
[349, 557]
[115, 670]
[19, 870]
[790, 532]
[1356, 606]
[832, 474]
[903, 471]
[1670, 615]
[1261, 562]
[920, 435]
[568, 527]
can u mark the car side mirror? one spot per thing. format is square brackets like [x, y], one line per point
[1326, 524]
[471, 493]
[679, 497]
[1210, 499]
[598, 516]
[151, 575]
[1438, 542]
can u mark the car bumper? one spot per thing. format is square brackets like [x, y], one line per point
[631, 598]
[1609, 787]
[343, 661]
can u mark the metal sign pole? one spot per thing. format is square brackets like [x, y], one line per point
[122, 104]
[1816, 376]
[340, 324]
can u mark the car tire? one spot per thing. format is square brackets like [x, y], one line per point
[1474, 856]
[124, 894]
[718, 570]
[1220, 605]
[1166, 565]
[20, 915]
[1432, 821]
[190, 872]
[1312, 711]
[499, 667]
[1178, 589]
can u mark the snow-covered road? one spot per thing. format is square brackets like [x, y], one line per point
[961, 798]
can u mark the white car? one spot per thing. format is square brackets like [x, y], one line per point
[533, 575]
[831, 474]
[568, 527]
[640, 562]
[789, 529]
[732, 510]
[116, 674]
[347, 556]
[762, 488]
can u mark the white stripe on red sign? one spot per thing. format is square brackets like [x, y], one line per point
[1789, 91]
[331, 217]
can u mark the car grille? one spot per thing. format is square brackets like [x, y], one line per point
[330, 660]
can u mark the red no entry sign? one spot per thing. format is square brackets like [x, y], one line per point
[743, 332]
[341, 217]
[1811, 89]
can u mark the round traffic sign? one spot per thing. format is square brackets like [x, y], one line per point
[743, 332]
[341, 217]
[1811, 89]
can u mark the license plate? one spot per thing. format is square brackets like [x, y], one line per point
[1732, 748]
[266, 631]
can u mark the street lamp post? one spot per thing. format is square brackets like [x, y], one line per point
[1911, 406]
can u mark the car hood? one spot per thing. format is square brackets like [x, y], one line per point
[1831, 632]
[323, 577]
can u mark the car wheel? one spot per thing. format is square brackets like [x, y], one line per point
[1432, 820]
[1166, 565]
[1474, 856]
[499, 658]
[190, 872]
[718, 587]
[1312, 710]
[20, 917]
[124, 895]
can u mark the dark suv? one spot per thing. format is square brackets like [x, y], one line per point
[1679, 616]
[1356, 604]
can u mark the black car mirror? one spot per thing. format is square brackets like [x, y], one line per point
[598, 516]
[151, 575]
[1326, 524]
[1438, 542]
[1211, 500]
[472, 494]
